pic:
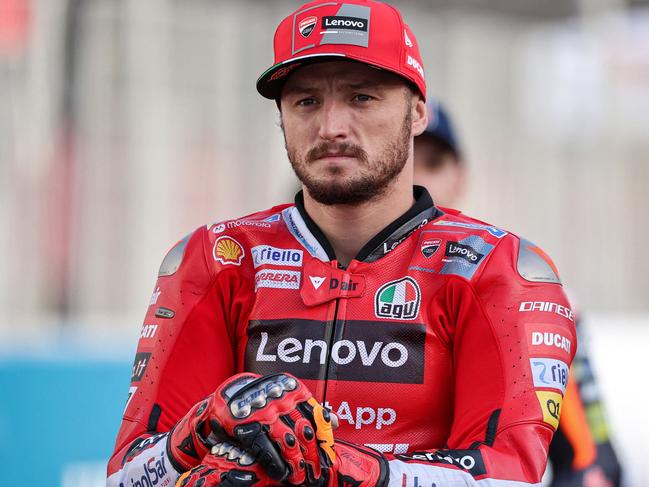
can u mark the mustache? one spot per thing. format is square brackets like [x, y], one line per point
[346, 149]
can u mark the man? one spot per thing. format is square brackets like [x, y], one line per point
[407, 322]
[581, 452]
[439, 162]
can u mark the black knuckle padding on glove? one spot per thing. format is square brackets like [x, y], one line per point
[254, 438]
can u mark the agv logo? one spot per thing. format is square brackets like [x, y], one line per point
[398, 299]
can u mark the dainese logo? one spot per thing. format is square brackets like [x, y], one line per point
[228, 251]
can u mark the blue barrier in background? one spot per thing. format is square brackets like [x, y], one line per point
[57, 413]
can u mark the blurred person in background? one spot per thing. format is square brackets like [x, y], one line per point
[581, 453]
[362, 297]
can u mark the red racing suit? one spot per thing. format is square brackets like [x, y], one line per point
[445, 344]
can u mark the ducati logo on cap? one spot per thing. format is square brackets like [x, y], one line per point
[307, 25]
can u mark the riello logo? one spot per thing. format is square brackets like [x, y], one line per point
[398, 299]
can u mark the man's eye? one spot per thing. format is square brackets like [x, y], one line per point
[361, 97]
[305, 102]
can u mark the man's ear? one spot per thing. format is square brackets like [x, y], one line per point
[419, 117]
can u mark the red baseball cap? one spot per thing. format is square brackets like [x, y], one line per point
[361, 30]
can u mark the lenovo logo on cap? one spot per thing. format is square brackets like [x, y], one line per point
[340, 22]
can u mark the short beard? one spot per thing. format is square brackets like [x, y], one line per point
[365, 188]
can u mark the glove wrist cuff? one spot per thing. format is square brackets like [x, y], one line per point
[186, 446]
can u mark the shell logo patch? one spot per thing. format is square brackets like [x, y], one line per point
[228, 251]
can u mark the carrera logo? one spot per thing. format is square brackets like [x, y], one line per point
[306, 26]
[265, 254]
[466, 252]
[347, 23]
[368, 351]
[277, 279]
[398, 299]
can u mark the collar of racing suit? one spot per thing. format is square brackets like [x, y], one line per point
[420, 213]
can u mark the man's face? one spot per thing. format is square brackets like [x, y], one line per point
[348, 129]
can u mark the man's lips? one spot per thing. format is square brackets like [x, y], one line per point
[335, 157]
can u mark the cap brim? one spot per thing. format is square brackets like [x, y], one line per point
[270, 83]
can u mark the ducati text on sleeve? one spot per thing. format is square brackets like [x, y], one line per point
[548, 340]
[551, 339]
[148, 331]
[367, 351]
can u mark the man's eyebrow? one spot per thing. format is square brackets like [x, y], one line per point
[360, 85]
[299, 89]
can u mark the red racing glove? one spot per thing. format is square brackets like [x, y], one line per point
[229, 466]
[275, 418]
[358, 466]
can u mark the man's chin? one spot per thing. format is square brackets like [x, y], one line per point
[329, 193]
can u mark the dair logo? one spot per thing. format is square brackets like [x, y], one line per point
[398, 299]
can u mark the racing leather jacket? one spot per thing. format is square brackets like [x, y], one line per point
[445, 344]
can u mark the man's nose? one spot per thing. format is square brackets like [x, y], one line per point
[334, 121]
